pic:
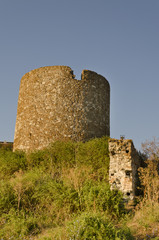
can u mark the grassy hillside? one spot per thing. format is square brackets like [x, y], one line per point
[61, 193]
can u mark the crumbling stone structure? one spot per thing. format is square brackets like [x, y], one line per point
[53, 105]
[124, 164]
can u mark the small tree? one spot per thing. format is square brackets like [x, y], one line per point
[149, 176]
[151, 149]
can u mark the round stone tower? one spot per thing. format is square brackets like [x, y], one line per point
[53, 105]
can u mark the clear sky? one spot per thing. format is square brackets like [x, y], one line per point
[118, 39]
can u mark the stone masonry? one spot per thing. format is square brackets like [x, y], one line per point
[124, 164]
[53, 105]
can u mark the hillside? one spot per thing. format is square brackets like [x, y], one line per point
[63, 193]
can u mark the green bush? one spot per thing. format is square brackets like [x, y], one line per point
[7, 197]
[17, 225]
[62, 154]
[23, 185]
[94, 153]
[46, 189]
[11, 162]
[36, 159]
[94, 226]
[98, 196]
[51, 194]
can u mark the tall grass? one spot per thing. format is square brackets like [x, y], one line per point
[43, 193]
[146, 215]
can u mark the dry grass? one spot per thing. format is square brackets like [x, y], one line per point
[145, 222]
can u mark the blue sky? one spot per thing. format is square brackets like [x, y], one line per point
[118, 39]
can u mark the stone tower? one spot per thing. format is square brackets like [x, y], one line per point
[53, 105]
[123, 169]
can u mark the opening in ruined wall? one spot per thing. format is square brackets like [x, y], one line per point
[128, 173]
[129, 193]
[77, 76]
[112, 153]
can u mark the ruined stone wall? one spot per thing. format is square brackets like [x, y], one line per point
[124, 164]
[53, 105]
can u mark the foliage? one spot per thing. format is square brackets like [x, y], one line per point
[151, 149]
[11, 162]
[61, 193]
[149, 176]
[15, 225]
[94, 226]
[45, 189]
[94, 153]
[7, 197]
[146, 216]
[149, 179]
[99, 197]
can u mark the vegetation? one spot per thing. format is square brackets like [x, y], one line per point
[62, 193]
[145, 220]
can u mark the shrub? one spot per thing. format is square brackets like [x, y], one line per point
[23, 185]
[149, 179]
[7, 197]
[94, 153]
[146, 216]
[11, 162]
[36, 159]
[17, 225]
[46, 189]
[94, 226]
[62, 154]
[99, 197]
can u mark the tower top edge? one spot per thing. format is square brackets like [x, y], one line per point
[86, 74]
